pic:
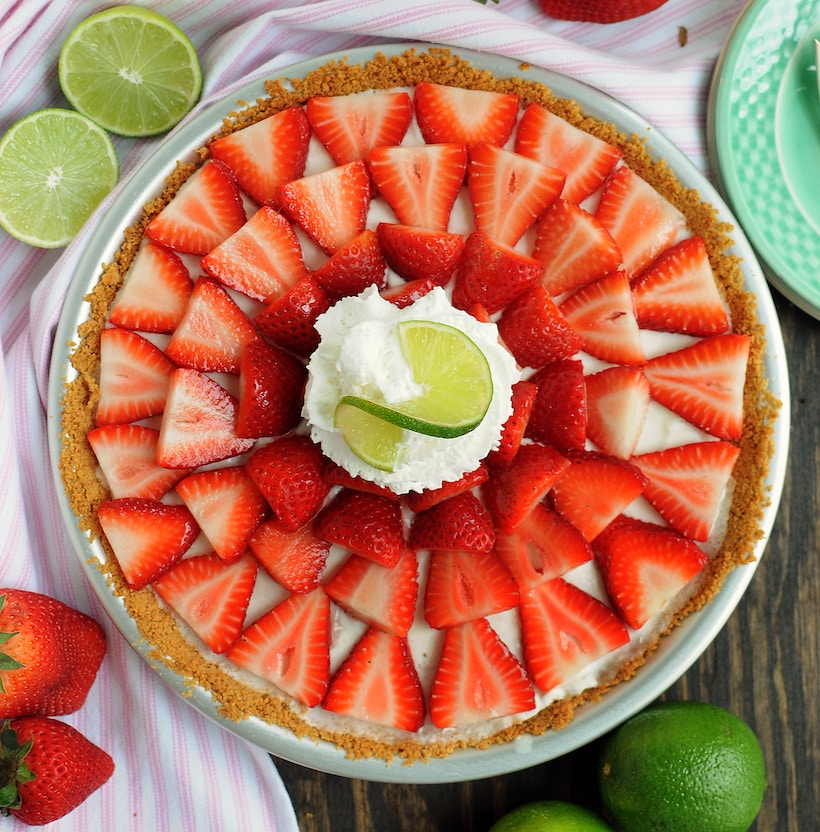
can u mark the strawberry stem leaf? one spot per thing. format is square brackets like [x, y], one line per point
[13, 768]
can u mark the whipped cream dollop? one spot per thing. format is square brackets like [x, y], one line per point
[360, 355]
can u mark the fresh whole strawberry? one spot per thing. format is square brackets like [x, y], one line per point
[47, 769]
[50, 655]
[598, 11]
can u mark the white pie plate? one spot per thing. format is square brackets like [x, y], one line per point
[677, 652]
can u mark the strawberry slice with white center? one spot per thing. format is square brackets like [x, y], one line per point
[331, 206]
[677, 292]
[523, 399]
[617, 404]
[419, 253]
[564, 629]
[419, 183]
[509, 192]
[574, 248]
[595, 489]
[206, 210]
[460, 522]
[477, 678]
[464, 116]
[226, 505]
[262, 260]
[558, 415]
[542, 547]
[462, 586]
[211, 596]
[134, 377]
[603, 316]
[198, 423]
[290, 646]
[642, 221]
[408, 293]
[350, 126]
[155, 293]
[354, 267]
[421, 500]
[378, 683]
[381, 596]
[644, 566]
[686, 483]
[148, 537]
[127, 457]
[703, 383]
[266, 154]
[213, 333]
[295, 559]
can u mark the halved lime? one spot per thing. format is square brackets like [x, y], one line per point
[131, 70]
[55, 168]
[372, 439]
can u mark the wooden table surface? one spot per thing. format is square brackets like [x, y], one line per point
[764, 666]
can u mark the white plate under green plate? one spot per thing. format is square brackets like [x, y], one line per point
[677, 652]
[764, 140]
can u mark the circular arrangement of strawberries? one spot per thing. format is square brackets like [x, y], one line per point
[528, 222]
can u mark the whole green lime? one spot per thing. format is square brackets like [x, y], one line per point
[550, 816]
[683, 767]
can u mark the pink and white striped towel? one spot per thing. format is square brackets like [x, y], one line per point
[176, 770]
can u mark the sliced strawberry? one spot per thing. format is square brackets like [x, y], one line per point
[266, 154]
[226, 505]
[383, 597]
[558, 415]
[155, 292]
[585, 159]
[686, 484]
[336, 475]
[331, 206]
[134, 377]
[290, 646]
[213, 332]
[262, 260]
[703, 383]
[419, 253]
[205, 211]
[574, 248]
[350, 126]
[514, 489]
[354, 267]
[492, 274]
[378, 683]
[463, 586]
[644, 566]
[542, 547]
[127, 458]
[290, 320]
[290, 474]
[642, 222]
[564, 629]
[408, 293]
[420, 183]
[677, 292]
[369, 525]
[147, 537]
[295, 559]
[523, 399]
[460, 522]
[198, 422]
[421, 500]
[211, 596]
[603, 316]
[477, 678]
[617, 404]
[456, 114]
[271, 391]
[535, 331]
[595, 489]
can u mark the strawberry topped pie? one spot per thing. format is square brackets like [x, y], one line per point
[415, 412]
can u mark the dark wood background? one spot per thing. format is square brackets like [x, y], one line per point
[764, 666]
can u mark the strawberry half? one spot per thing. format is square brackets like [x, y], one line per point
[336, 475]
[294, 559]
[477, 678]
[460, 522]
[211, 596]
[523, 399]
[419, 253]
[598, 11]
[558, 415]
[617, 404]
[408, 293]
[354, 267]
[421, 500]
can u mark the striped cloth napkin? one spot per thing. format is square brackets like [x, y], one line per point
[175, 769]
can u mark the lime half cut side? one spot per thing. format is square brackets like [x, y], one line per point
[131, 70]
[56, 166]
[373, 440]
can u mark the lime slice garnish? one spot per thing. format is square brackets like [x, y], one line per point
[372, 439]
[55, 168]
[131, 70]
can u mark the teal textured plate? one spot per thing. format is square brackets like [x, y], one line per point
[764, 140]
